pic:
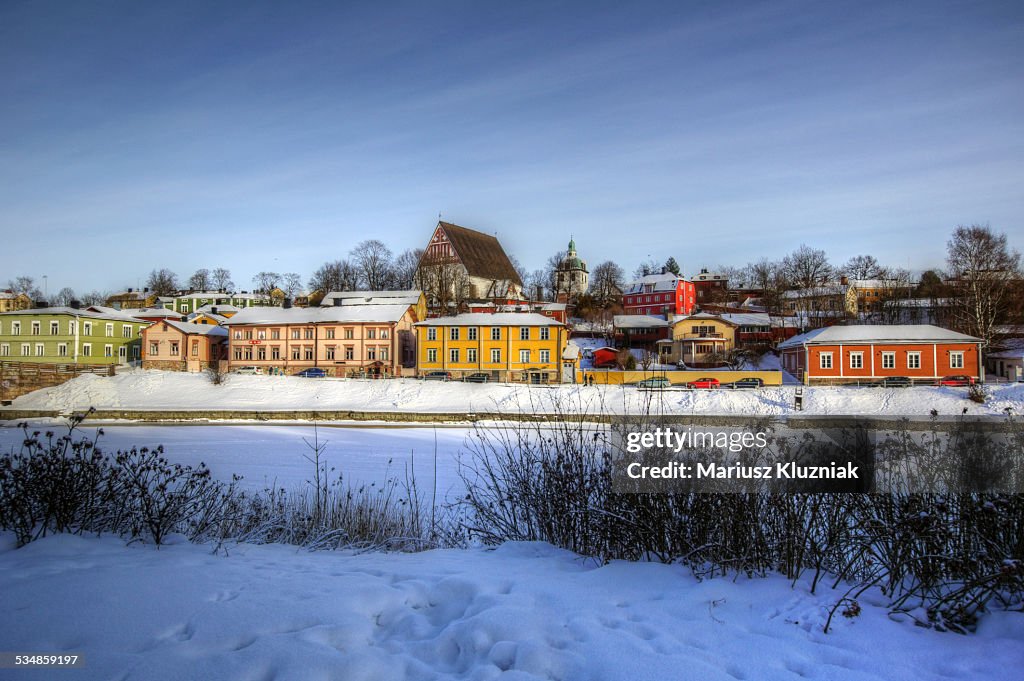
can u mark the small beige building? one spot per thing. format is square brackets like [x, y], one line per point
[181, 346]
[696, 338]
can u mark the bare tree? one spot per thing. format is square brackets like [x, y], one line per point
[534, 285]
[373, 259]
[339, 275]
[519, 268]
[265, 282]
[27, 285]
[649, 266]
[200, 281]
[895, 288]
[807, 267]
[862, 267]
[444, 282]
[551, 275]
[983, 271]
[404, 268]
[769, 277]
[606, 283]
[220, 278]
[291, 284]
[94, 298]
[63, 297]
[162, 282]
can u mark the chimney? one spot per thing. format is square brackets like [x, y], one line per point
[337, 301]
[844, 281]
[129, 290]
[213, 310]
[75, 304]
[41, 304]
[145, 290]
[664, 269]
[286, 303]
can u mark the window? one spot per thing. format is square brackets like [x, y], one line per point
[108, 350]
[62, 349]
[453, 355]
[330, 352]
[154, 349]
[545, 333]
[432, 355]
[26, 349]
[350, 352]
[5, 349]
[371, 334]
[295, 334]
[126, 331]
[109, 330]
[261, 352]
[238, 352]
[385, 334]
[275, 353]
[54, 328]
[888, 360]
[238, 335]
[496, 355]
[825, 359]
[72, 328]
[247, 352]
[453, 333]
[524, 356]
[39, 350]
[913, 360]
[15, 328]
[524, 333]
[956, 360]
[35, 328]
[471, 333]
[261, 334]
[275, 334]
[195, 348]
[432, 333]
[87, 350]
[349, 334]
[329, 334]
[545, 356]
[471, 355]
[307, 352]
[371, 353]
[122, 353]
[495, 333]
[309, 334]
[174, 348]
[856, 360]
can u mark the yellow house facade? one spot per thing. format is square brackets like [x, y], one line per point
[513, 347]
[696, 338]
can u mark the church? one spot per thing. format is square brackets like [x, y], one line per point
[572, 279]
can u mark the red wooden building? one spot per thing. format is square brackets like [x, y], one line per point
[845, 354]
[659, 294]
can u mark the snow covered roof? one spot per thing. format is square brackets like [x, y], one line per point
[403, 297]
[659, 282]
[150, 312]
[818, 291]
[320, 315]
[222, 308]
[113, 315]
[878, 333]
[1011, 348]
[219, 318]
[200, 329]
[638, 321]
[571, 352]
[747, 318]
[496, 319]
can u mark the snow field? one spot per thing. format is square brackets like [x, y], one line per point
[523, 611]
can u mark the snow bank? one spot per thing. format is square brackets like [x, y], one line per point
[520, 612]
[138, 389]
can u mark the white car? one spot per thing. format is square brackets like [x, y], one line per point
[250, 370]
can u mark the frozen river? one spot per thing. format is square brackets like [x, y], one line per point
[268, 455]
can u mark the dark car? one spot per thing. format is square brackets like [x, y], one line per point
[654, 383]
[747, 383]
[709, 383]
[437, 376]
[956, 381]
[478, 377]
[312, 372]
[896, 382]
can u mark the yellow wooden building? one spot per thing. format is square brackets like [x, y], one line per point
[516, 347]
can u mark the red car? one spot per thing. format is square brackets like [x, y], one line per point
[957, 381]
[709, 383]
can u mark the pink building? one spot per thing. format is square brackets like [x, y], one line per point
[180, 346]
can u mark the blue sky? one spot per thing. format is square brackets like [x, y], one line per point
[278, 135]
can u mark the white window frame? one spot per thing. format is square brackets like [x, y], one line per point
[495, 355]
[432, 355]
[40, 350]
[956, 359]
[15, 328]
[888, 360]
[26, 350]
[856, 360]
[496, 333]
[913, 360]
[54, 328]
[545, 333]
[471, 333]
[545, 356]
[109, 331]
[453, 333]
[471, 355]
[431, 333]
[822, 363]
[5, 349]
[524, 356]
[453, 355]
[108, 350]
[126, 331]
[62, 349]
[524, 333]
[37, 328]
[86, 349]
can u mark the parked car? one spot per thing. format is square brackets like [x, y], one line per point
[312, 372]
[437, 376]
[653, 383]
[747, 383]
[896, 382]
[707, 383]
[250, 370]
[956, 380]
[478, 377]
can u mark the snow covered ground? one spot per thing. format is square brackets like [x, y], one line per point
[275, 455]
[138, 389]
[522, 611]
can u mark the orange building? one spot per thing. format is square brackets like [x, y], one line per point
[846, 354]
[180, 346]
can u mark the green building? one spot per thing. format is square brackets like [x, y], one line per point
[66, 335]
[187, 303]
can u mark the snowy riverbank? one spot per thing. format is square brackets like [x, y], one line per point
[138, 389]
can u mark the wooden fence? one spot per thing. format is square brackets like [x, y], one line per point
[19, 378]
